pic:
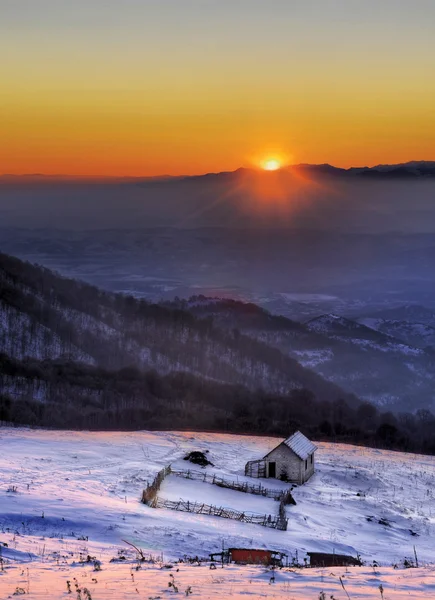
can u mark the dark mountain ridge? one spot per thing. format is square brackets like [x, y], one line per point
[376, 365]
[47, 317]
[73, 356]
[413, 168]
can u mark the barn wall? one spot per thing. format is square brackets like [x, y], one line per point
[307, 472]
[286, 461]
[322, 559]
[256, 557]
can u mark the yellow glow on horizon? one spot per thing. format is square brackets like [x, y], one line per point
[272, 164]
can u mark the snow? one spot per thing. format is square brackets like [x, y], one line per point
[72, 485]
[358, 333]
[418, 334]
[388, 347]
[129, 579]
[300, 445]
[313, 358]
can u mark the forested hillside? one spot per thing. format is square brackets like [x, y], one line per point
[45, 316]
[73, 356]
[68, 395]
[384, 365]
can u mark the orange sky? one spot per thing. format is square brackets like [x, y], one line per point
[180, 87]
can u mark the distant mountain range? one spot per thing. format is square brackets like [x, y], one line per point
[409, 170]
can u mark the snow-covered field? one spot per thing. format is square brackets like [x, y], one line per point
[66, 495]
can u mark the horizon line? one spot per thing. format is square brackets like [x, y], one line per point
[77, 177]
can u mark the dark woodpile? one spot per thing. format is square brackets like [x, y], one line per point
[198, 458]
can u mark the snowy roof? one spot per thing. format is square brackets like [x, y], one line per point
[300, 445]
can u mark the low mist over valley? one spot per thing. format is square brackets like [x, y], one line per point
[327, 272]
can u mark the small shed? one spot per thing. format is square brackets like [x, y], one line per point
[292, 460]
[250, 556]
[324, 559]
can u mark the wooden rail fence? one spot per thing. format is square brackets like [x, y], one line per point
[279, 521]
[150, 492]
[275, 522]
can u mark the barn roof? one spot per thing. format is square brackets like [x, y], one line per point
[300, 445]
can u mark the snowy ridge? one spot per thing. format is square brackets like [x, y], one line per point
[418, 334]
[382, 367]
[354, 332]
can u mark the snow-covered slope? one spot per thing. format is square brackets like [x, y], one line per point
[411, 313]
[45, 316]
[375, 503]
[376, 365]
[65, 496]
[346, 330]
[416, 334]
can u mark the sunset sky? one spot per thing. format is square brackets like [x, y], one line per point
[138, 87]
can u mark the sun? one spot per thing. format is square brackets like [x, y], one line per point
[271, 164]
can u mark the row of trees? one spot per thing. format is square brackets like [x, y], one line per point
[85, 397]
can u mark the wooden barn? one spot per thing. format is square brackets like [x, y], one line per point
[250, 556]
[292, 460]
[324, 559]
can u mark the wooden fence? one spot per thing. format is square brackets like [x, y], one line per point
[256, 468]
[238, 486]
[280, 521]
[150, 492]
[275, 522]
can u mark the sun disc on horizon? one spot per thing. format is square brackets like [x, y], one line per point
[271, 164]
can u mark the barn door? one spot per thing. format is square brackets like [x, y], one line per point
[272, 469]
